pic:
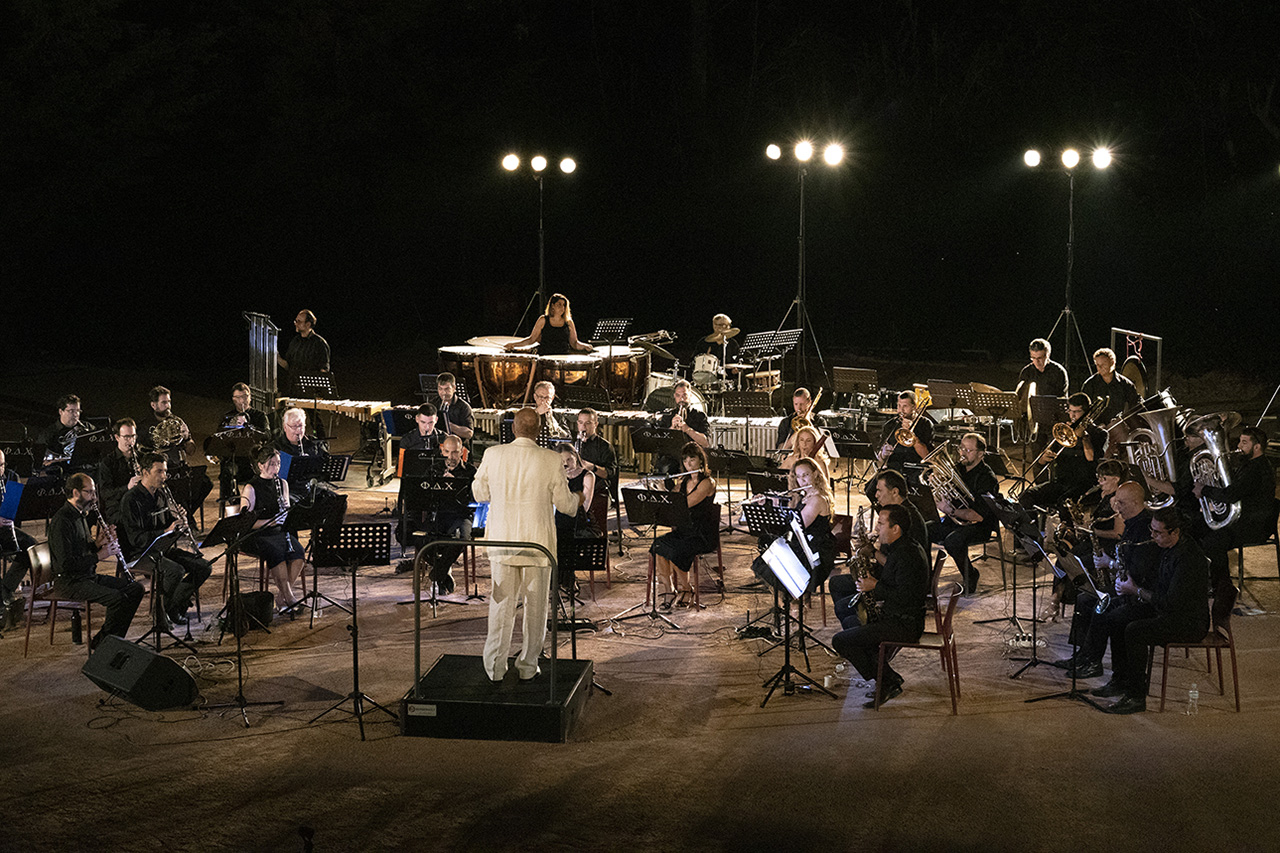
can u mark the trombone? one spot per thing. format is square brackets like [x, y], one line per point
[1069, 435]
[906, 436]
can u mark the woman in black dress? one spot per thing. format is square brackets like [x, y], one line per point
[569, 527]
[814, 503]
[554, 332]
[267, 497]
[673, 552]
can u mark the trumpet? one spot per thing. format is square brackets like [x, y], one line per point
[906, 436]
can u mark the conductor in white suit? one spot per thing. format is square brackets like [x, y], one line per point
[522, 483]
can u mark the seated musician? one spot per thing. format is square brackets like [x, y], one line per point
[1253, 483]
[802, 403]
[1050, 378]
[905, 458]
[674, 551]
[75, 552]
[554, 332]
[1172, 607]
[720, 342]
[307, 353]
[145, 513]
[450, 521]
[582, 484]
[426, 437]
[170, 436]
[1116, 388]
[241, 416]
[1073, 467]
[293, 439]
[897, 598]
[549, 423]
[807, 445]
[1133, 553]
[682, 416]
[815, 504]
[1104, 529]
[59, 438]
[596, 452]
[14, 542]
[963, 526]
[454, 412]
[118, 471]
[267, 497]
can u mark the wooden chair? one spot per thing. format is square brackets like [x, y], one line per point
[931, 602]
[42, 591]
[1272, 538]
[1218, 638]
[943, 641]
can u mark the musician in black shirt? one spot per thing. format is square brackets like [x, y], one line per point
[549, 423]
[890, 490]
[145, 513]
[308, 352]
[1074, 468]
[75, 553]
[452, 520]
[242, 413]
[962, 526]
[118, 472]
[426, 437]
[59, 438]
[682, 416]
[899, 594]
[802, 403]
[596, 452]
[1253, 483]
[905, 458]
[1050, 378]
[1116, 388]
[242, 416]
[453, 411]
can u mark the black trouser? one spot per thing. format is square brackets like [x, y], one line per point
[860, 644]
[1131, 643]
[956, 539]
[442, 557]
[180, 575]
[121, 597]
[21, 562]
[1110, 624]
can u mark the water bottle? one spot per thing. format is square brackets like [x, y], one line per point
[77, 635]
[1193, 701]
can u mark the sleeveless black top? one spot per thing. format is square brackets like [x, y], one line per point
[555, 341]
[266, 497]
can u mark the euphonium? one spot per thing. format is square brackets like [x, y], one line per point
[1151, 449]
[906, 436]
[1209, 467]
[944, 479]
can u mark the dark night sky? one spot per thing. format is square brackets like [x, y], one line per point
[186, 161]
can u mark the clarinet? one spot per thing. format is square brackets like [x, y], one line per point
[180, 515]
[112, 540]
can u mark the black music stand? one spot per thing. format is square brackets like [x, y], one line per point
[233, 531]
[762, 482]
[668, 509]
[309, 516]
[155, 552]
[315, 387]
[1069, 566]
[768, 521]
[573, 555]
[584, 396]
[334, 467]
[610, 330]
[996, 404]
[38, 498]
[852, 445]
[659, 442]
[428, 387]
[299, 471]
[763, 347]
[425, 495]
[854, 381]
[793, 578]
[728, 463]
[361, 545]
[1018, 522]
[90, 449]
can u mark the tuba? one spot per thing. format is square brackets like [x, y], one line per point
[1151, 447]
[1209, 466]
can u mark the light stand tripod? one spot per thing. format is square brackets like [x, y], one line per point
[368, 545]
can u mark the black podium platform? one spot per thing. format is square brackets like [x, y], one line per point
[456, 699]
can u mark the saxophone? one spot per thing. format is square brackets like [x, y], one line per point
[863, 549]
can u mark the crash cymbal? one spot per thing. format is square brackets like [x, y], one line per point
[655, 349]
[721, 337]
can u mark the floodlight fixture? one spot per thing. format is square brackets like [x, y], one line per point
[833, 154]
[568, 165]
[1070, 158]
[1101, 158]
[511, 162]
[538, 163]
[773, 152]
[1031, 158]
[804, 150]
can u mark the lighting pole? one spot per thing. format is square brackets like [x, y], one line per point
[832, 155]
[538, 165]
[1101, 159]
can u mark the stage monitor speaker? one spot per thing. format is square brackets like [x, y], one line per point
[150, 681]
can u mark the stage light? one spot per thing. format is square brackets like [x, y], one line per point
[1070, 158]
[1031, 158]
[538, 163]
[511, 162]
[773, 152]
[833, 154]
[567, 165]
[1101, 158]
[804, 151]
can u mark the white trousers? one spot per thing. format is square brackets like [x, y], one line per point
[510, 584]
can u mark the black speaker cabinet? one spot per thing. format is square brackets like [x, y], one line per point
[150, 681]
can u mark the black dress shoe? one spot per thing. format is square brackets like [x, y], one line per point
[404, 567]
[1110, 689]
[1086, 669]
[1128, 705]
[97, 638]
[178, 619]
[446, 582]
[890, 691]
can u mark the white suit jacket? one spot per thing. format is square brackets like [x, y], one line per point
[522, 482]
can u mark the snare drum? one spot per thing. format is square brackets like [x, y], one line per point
[764, 380]
[461, 361]
[706, 368]
[565, 371]
[504, 377]
[624, 372]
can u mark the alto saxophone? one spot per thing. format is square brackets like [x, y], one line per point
[868, 609]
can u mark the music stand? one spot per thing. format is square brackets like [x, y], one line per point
[333, 468]
[309, 516]
[853, 445]
[89, 450]
[316, 387]
[1069, 566]
[656, 441]
[362, 545]
[38, 498]
[584, 396]
[996, 404]
[1018, 522]
[793, 578]
[611, 330]
[854, 380]
[428, 387]
[233, 531]
[728, 462]
[425, 495]
[668, 509]
[761, 482]
[579, 554]
[157, 549]
[299, 471]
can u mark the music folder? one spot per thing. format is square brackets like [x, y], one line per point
[12, 496]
